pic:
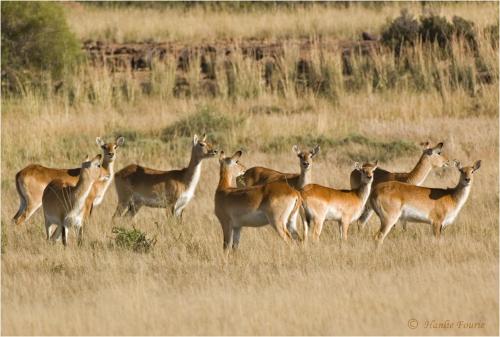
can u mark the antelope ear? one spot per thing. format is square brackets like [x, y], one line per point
[237, 155]
[296, 149]
[457, 163]
[99, 141]
[477, 165]
[195, 139]
[204, 137]
[375, 164]
[96, 159]
[426, 145]
[357, 166]
[438, 148]
[87, 158]
[315, 151]
[120, 141]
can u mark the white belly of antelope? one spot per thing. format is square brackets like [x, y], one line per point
[333, 213]
[414, 214]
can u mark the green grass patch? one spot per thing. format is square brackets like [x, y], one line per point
[353, 147]
[220, 129]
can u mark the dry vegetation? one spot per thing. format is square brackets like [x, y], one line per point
[166, 24]
[183, 285]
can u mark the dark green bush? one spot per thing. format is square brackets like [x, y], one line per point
[404, 31]
[36, 41]
[465, 29]
[435, 28]
[401, 32]
[217, 127]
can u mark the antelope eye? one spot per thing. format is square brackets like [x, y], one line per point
[202, 144]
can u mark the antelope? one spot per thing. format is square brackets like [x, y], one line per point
[64, 204]
[260, 175]
[438, 207]
[431, 157]
[275, 203]
[138, 186]
[32, 180]
[345, 206]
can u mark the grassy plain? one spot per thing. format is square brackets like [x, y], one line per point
[184, 285]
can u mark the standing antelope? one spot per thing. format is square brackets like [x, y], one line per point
[275, 203]
[438, 207]
[345, 206]
[64, 204]
[431, 157]
[32, 180]
[260, 175]
[139, 186]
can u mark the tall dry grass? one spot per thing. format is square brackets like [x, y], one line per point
[120, 24]
[184, 285]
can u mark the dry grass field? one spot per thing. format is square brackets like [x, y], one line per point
[184, 284]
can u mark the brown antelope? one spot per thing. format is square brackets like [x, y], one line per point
[438, 207]
[64, 204]
[345, 206]
[431, 157]
[139, 186]
[32, 180]
[260, 175]
[275, 203]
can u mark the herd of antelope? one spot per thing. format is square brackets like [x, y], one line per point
[244, 197]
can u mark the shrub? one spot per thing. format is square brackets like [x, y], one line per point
[353, 147]
[133, 239]
[35, 40]
[401, 32]
[491, 32]
[215, 126]
[435, 28]
[465, 29]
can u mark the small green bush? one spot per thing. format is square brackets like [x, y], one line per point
[217, 127]
[401, 32]
[36, 41]
[133, 239]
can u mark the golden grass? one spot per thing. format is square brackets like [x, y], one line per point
[184, 285]
[198, 24]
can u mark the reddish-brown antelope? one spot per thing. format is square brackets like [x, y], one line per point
[345, 206]
[139, 186]
[32, 180]
[431, 157]
[64, 204]
[275, 203]
[260, 175]
[438, 207]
